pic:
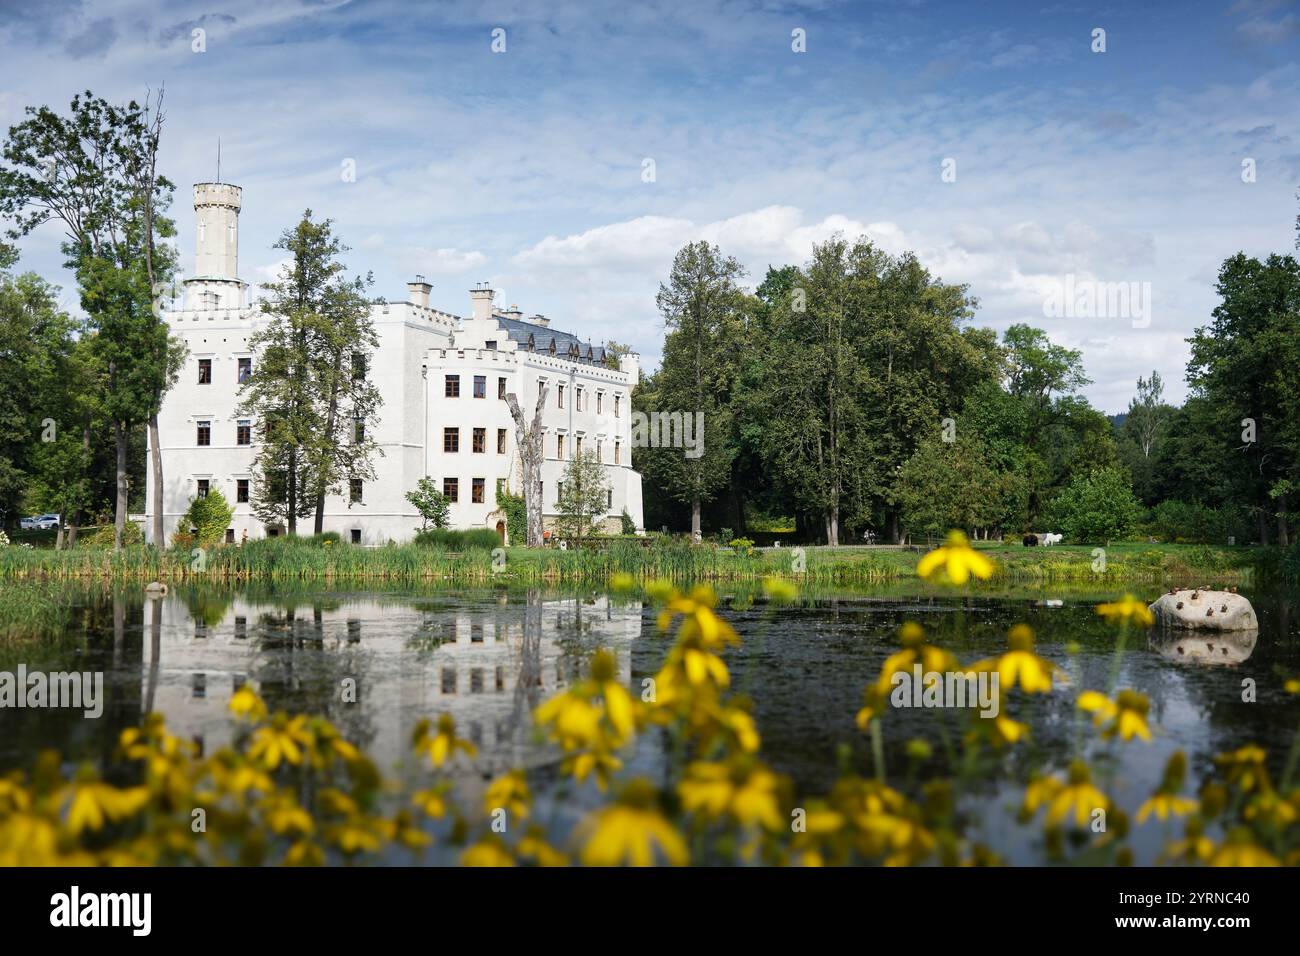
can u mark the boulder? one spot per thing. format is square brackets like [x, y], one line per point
[1204, 610]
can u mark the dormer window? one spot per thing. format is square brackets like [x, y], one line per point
[491, 344]
[552, 348]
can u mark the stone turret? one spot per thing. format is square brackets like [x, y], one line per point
[216, 283]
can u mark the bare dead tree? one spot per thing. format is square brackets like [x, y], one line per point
[529, 438]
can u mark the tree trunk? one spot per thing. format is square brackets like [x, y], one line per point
[695, 518]
[529, 439]
[155, 458]
[291, 519]
[1283, 539]
[331, 422]
[1262, 522]
[891, 527]
[119, 515]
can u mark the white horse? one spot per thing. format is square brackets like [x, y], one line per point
[1049, 539]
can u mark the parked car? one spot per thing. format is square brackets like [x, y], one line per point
[40, 523]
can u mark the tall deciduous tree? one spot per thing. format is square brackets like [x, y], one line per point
[700, 304]
[95, 172]
[583, 495]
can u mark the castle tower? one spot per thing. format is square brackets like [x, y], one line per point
[216, 283]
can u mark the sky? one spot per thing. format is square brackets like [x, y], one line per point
[567, 165]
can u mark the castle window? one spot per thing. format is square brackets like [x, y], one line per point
[491, 344]
[205, 371]
[560, 391]
[451, 440]
[501, 441]
[618, 447]
[202, 486]
[480, 441]
[452, 387]
[600, 397]
[204, 436]
[358, 429]
[356, 539]
[609, 499]
[230, 536]
[577, 447]
[451, 488]
[617, 402]
[245, 370]
[501, 388]
[559, 447]
[355, 488]
[476, 490]
[600, 451]
[501, 488]
[358, 366]
[241, 491]
[243, 432]
[480, 386]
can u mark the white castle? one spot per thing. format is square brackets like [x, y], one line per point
[443, 381]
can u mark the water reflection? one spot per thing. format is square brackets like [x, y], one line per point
[1205, 647]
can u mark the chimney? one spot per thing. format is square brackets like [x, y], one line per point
[419, 292]
[481, 301]
[541, 320]
[513, 313]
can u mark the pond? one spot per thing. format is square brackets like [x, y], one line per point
[376, 662]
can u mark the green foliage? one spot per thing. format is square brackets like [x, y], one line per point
[207, 518]
[583, 495]
[100, 538]
[628, 525]
[459, 539]
[1190, 521]
[948, 485]
[1096, 507]
[516, 511]
[433, 506]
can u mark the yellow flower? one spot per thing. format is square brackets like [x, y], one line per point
[305, 853]
[745, 791]
[432, 802]
[508, 792]
[622, 582]
[1020, 665]
[631, 831]
[1166, 801]
[931, 657]
[700, 625]
[488, 852]
[246, 704]
[442, 746]
[1126, 715]
[1240, 849]
[957, 559]
[1127, 608]
[534, 847]
[94, 803]
[283, 739]
[1077, 799]
[779, 590]
[285, 814]
[1245, 767]
[1195, 847]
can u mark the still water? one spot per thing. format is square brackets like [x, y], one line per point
[489, 657]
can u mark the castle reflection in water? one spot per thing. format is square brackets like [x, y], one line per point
[378, 664]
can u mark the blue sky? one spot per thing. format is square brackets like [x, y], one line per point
[524, 168]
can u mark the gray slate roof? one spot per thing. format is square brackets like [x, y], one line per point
[542, 339]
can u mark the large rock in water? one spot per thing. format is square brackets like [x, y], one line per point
[1205, 610]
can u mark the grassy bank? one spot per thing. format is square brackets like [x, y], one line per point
[283, 559]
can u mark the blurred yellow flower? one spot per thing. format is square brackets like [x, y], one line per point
[508, 792]
[622, 582]
[1126, 715]
[1077, 799]
[442, 746]
[743, 790]
[1240, 849]
[94, 803]
[631, 831]
[488, 852]
[246, 704]
[1020, 665]
[957, 559]
[284, 738]
[1127, 608]
[779, 590]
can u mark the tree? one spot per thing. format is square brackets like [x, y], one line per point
[432, 504]
[699, 303]
[583, 495]
[1243, 363]
[529, 439]
[311, 376]
[95, 171]
[209, 515]
[947, 485]
[1096, 507]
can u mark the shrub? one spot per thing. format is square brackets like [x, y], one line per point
[433, 506]
[516, 512]
[629, 526]
[741, 544]
[1096, 507]
[454, 539]
[100, 537]
[208, 515]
